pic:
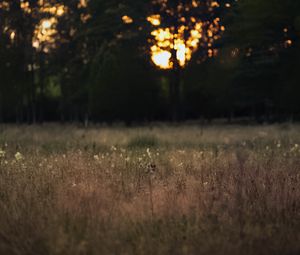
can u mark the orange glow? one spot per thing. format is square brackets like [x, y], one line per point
[167, 39]
[174, 46]
[12, 35]
[45, 34]
[57, 10]
[154, 20]
[25, 6]
[161, 58]
[215, 4]
[85, 17]
[82, 4]
[4, 5]
[127, 20]
[288, 43]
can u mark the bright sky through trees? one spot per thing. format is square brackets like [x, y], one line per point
[45, 33]
[179, 31]
[68, 56]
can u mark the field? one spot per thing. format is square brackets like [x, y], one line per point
[150, 190]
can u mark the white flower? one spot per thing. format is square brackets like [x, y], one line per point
[148, 153]
[19, 156]
[2, 153]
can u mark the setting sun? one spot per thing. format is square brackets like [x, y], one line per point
[178, 41]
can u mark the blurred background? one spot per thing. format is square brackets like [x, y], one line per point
[114, 61]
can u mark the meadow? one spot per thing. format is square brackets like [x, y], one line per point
[222, 189]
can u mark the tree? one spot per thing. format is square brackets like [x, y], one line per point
[267, 52]
[182, 28]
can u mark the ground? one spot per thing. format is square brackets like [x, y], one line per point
[150, 190]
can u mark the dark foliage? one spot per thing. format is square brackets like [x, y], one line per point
[99, 69]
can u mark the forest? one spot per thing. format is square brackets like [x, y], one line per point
[97, 60]
[149, 127]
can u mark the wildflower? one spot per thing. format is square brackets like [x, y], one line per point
[278, 144]
[148, 153]
[295, 148]
[2, 153]
[19, 156]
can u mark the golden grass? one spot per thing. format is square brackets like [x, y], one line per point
[159, 190]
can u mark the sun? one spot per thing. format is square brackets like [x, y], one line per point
[174, 43]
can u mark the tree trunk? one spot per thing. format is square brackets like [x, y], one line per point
[33, 96]
[175, 82]
[1, 109]
[42, 88]
[175, 95]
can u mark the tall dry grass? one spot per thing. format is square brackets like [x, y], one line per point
[164, 190]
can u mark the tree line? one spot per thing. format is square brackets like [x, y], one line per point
[77, 60]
